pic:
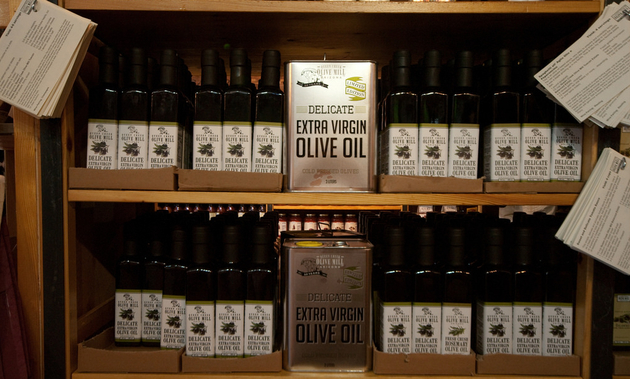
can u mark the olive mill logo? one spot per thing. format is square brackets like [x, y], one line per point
[311, 268]
[311, 78]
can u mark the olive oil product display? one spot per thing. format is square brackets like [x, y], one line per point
[268, 144]
[463, 143]
[432, 119]
[208, 123]
[237, 116]
[566, 147]
[536, 117]
[133, 127]
[128, 297]
[399, 139]
[174, 293]
[502, 130]
[102, 130]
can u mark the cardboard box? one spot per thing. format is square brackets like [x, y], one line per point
[262, 363]
[100, 354]
[622, 362]
[219, 181]
[533, 187]
[510, 364]
[423, 364]
[156, 179]
[427, 184]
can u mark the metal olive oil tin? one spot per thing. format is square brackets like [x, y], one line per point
[327, 304]
[331, 121]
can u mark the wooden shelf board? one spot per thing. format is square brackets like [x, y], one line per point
[288, 374]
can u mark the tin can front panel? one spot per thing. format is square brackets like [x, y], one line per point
[327, 307]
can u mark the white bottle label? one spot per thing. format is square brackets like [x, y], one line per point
[259, 328]
[151, 315]
[127, 318]
[166, 140]
[433, 150]
[463, 150]
[502, 152]
[427, 328]
[310, 225]
[133, 141]
[267, 150]
[173, 322]
[229, 328]
[566, 147]
[102, 144]
[396, 327]
[535, 152]
[527, 332]
[494, 328]
[557, 329]
[208, 145]
[200, 328]
[456, 324]
[401, 149]
[237, 147]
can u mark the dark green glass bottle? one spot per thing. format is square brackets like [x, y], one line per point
[128, 297]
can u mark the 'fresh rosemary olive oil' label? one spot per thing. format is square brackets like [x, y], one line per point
[557, 329]
[502, 152]
[237, 146]
[527, 328]
[566, 145]
[151, 315]
[102, 144]
[395, 327]
[229, 328]
[494, 328]
[535, 152]
[463, 150]
[399, 151]
[208, 145]
[127, 327]
[427, 328]
[166, 140]
[200, 328]
[456, 324]
[133, 141]
[433, 150]
[267, 151]
[173, 322]
[259, 328]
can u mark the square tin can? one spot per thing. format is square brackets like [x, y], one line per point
[331, 126]
[326, 294]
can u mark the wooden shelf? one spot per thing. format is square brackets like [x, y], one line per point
[284, 374]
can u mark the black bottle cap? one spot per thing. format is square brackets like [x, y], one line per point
[169, 61]
[464, 69]
[502, 64]
[533, 64]
[201, 242]
[137, 67]
[401, 69]
[179, 243]
[232, 241]
[132, 245]
[523, 246]
[493, 245]
[270, 76]
[239, 68]
[432, 64]
[456, 240]
[108, 65]
[424, 236]
[394, 245]
[262, 243]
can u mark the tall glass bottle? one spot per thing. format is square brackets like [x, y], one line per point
[208, 124]
[200, 294]
[269, 117]
[237, 116]
[432, 119]
[133, 127]
[502, 128]
[399, 139]
[128, 297]
[566, 146]
[174, 293]
[463, 144]
[103, 114]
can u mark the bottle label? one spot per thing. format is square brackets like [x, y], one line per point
[463, 151]
[267, 151]
[566, 148]
[535, 152]
[127, 318]
[282, 226]
[208, 142]
[237, 146]
[173, 322]
[427, 328]
[557, 329]
[310, 225]
[351, 226]
[395, 327]
[456, 324]
[494, 328]
[166, 142]
[400, 151]
[151, 315]
[102, 144]
[527, 331]
[621, 319]
[502, 152]
[295, 225]
[133, 140]
[229, 328]
[259, 327]
[433, 149]
[200, 328]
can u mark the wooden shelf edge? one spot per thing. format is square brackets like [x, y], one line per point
[77, 375]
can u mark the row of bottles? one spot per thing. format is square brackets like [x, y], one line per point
[455, 283]
[318, 221]
[209, 285]
[482, 123]
[213, 127]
